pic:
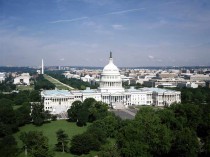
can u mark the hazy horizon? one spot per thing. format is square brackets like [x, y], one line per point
[142, 33]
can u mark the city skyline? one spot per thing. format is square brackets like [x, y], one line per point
[83, 32]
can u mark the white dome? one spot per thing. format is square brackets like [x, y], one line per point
[110, 78]
[110, 68]
[87, 76]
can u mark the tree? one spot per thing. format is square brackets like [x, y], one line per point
[8, 146]
[88, 105]
[82, 116]
[188, 114]
[47, 115]
[37, 114]
[54, 117]
[36, 144]
[35, 96]
[4, 130]
[88, 102]
[130, 141]
[98, 134]
[110, 125]
[6, 101]
[21, 97]
[83, 144]
[73, 111]
[185, 144]
[42, 83]
[109, 151]
[7, 116]
[144, 136]
[78, 113]
[155, 134]
[97, 110]
[88, 111]
[63, 140]
[7, 127]
[206, 146]
[187, 95]
[23, 114]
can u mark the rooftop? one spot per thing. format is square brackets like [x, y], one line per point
[159, 90]
[56, 93]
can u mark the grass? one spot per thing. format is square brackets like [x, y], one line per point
[57, 83]
[22, 87]
[15, 107]
[49, 130]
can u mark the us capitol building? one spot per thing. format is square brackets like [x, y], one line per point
[111, 92]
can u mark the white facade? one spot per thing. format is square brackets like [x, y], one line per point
[23, 79]
[110, 92]
[87, 78]
[164, 97]
[2, 77]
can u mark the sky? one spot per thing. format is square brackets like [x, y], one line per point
[83, 32]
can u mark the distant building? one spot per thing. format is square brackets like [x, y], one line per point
[2, 77]
[111, 92]
[69, 75]
[23, 79]
[87, 78]
[166, 75]
[165, 82]
[38, 71]
[163, 97]
[188, 85]
[198, 77]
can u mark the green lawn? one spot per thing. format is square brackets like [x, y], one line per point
[49, 130]
[16, 107]
[57, 83]
[22, 87]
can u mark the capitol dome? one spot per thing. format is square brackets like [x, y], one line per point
[110, 68]
[110, 78]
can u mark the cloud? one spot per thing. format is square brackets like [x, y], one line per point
[124, 11]
[159, 60]
[98, 2]
[70, 20]
[155, 59]
[89, 23]
[24, 50]
[118, 27]
[151, 57]
[110, 13]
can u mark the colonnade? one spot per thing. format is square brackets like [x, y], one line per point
[117, 98]
[111, 84]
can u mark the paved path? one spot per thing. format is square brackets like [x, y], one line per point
[124, 113]
[129, 112]
[60, 82]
